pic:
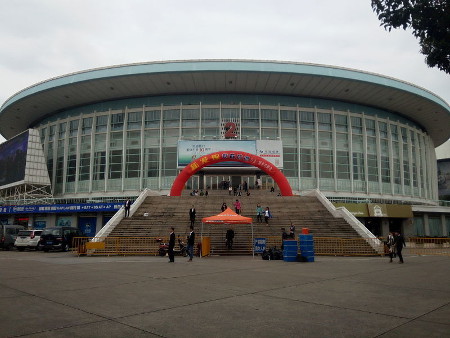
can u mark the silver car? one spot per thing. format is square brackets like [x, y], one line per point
[28, 239]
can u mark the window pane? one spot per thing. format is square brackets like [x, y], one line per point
[87, 126]
[134, 120]
[152, 119]
[117, 121]
[171, 118]
[101, 123]
[115, 164]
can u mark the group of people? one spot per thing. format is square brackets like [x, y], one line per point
[237, 191]
[201, 193]
[190, 244]
[395, 243]
[291, 235]
[260, 213]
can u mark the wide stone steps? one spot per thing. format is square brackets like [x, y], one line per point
[157, 214]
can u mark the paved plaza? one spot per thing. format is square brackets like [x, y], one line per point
[60, 295]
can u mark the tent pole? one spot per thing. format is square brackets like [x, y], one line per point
[201, 241]
[253, 242]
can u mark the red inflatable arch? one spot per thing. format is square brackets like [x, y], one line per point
[229, 155]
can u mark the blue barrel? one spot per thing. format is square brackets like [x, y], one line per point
[290, 250]
[306, 246]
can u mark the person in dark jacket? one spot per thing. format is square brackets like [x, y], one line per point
[127, 206]
[192, 214]
[171, 245]
[190, 243]
[229, 236]
[399, 244]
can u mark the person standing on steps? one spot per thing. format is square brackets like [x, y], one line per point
[223, 207]
[267, 215]
[259, 213]
[127, 206]
[292, 231]
[229, 238]
[192, 214]
[190, 243]
[171, 245]
[237, 207]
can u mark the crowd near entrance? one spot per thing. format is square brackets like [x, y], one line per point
[223, 182]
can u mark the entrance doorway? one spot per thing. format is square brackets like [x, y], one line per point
[373, 224]
[395, 224]
[221, 182]
[193, 183]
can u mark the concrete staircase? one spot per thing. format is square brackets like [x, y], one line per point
[157, 214]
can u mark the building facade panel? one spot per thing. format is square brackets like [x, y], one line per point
[338, 150]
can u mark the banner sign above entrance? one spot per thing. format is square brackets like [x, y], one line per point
[270, 150]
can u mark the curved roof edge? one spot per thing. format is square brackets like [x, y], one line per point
[217, 65]
[226, 76]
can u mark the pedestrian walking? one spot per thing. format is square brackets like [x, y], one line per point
[399, 244]
[190, 243]
[390, 242]
[171, 245]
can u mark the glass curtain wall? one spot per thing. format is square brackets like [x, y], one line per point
[333, 150]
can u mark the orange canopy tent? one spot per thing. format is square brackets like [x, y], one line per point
[227, 217]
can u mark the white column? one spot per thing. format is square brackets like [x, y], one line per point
[107, 150]
[141, 164]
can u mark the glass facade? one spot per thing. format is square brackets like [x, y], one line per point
[347, 152]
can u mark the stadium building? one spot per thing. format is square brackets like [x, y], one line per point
[111, 132]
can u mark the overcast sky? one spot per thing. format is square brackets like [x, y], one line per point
[40, 39]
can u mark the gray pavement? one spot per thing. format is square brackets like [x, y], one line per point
[59, 295]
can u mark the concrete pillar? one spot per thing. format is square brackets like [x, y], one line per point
[51, 221]
[426, 225]
[99, 223]
[408, 227]
[385, 227]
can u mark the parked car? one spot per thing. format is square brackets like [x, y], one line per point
[8, 234]
[58, 238]
[28, 239]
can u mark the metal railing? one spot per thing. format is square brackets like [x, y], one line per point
[429, 246]
[323, 246]
[348, 217]
[116, 246]
[119, 215]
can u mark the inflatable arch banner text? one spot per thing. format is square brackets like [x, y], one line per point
[229, 155]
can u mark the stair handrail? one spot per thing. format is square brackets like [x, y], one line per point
[118, 216]
[342, 212]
